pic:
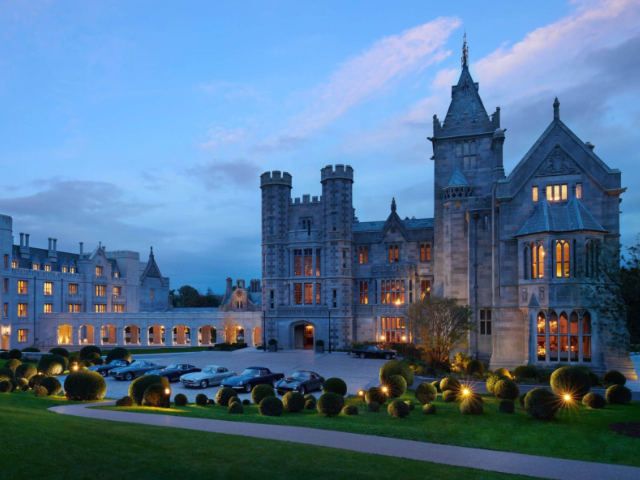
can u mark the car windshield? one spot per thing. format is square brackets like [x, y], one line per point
[373, 347]
[138, 363]
[251, 371]
[300, 375]
[173, 366]
[117, 362]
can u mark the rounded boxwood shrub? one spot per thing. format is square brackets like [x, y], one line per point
[521, 399]
[335, 385]
[330, 404]
[40, 391]
[373, 407]
[506, 406]
[396, 367]
[52, 364]
[525, 371]
[310, 402]
[293, 402]
[118, 353]
[260, 392]
[449, 383]
[235, 407]
[503, 372]
[472, 405]
[26, 370]
[474, 367]
[492, 379]
[541, 403]
[618, 394]
[22, 384]
[12, 364]
[85, 385]
[429, 409]
[396, 386]
[63, 352]
[506, 389]
[6, 386]
[140, 384]
[52, 384]
[246, 401]
[572, 380]
[398, 409]
[449, 396]
[202, 400]
[614, 377]
[224, 395]
[155, 396]
[436, 383]
[14, 353]
[31, 349]
[36, 379]
[125, 401]
[89, 352]
[7, 374]
[271, 407]
[593, 400]
[211, 401]
[350, 410]
[375, 394]
[410, 404]
[426, 393]
[180, 400]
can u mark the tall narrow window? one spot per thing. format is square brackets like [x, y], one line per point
[363, 254]
[308, 293]
[334, 299]
[14, 264]
[553, 337]
[72, 288]
[363, 289]
[23, 335]
[23, 287]
[297, 293]
[541, 339]
[48, 308]
[99, 270]
[308, 262]
[47, 288]
[425, 289]
[35, 266]
[100, 290]
[578, 191]
[394, 253]
[6, 261]
[586, 337]
[537, 260]
[485, 321]
[297, 263]
[47, 268]
[318, 262]
[5, 285]
[557, 192]
[425, 252]
[5, 310]
[318, 293]
[22, 310]
[563, 256]
[534, 193]
[100, 308]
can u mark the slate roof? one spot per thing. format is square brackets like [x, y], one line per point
[571, 216]
[151, 270]
[409, 223]
[41, 256]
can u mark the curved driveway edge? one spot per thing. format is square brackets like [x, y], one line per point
[491, 460]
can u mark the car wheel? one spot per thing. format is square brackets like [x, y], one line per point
[204, 384]
[129, 376]
[302, 390]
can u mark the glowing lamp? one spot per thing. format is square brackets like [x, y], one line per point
[385, 389]
[403, 338]
[382, 338]
[361, 393]
[75, 367]
[567, 398]
[167, 391]
[466, 392]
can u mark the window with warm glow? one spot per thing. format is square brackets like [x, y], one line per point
[100, 290]
[65, 334]
[308, 293]
[394, 253]
[297, 293]
[318, 261]
[363, 254]
[393, 330]
[537, 260]
[72, 288]
[100, 308]
[47, 268]
[563, 262]
[578, 191]
[118, 308]
[318, 294]
[22, 310]
[564, 338]
[47, 288]
[64, 269]
[72, 269]
[48, 308]
[557, 192]
[5, 310]
[35, 266]
[425, 289]
[117, 291]
[74, 307]
[23, 287]
[297, 262]
[14, 264]
[99, 270]
[116, 274]
[392, 292]
[23, 335]
[425, 252]
[534, 193]
[363, 290]
[308, 262]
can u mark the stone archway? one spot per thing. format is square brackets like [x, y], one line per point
[303, 336]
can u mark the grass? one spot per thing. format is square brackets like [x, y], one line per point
[577, 433]
[41, 444]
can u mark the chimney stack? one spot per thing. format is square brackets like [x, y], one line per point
[229, 288]
[81, 248]
[21, 239]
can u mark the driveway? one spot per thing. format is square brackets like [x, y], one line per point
[357, 373]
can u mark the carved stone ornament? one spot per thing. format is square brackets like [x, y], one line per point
[557, 163]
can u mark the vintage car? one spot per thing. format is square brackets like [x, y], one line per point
[209, 376]
[251, 377]
[303, 381]
[134, 370]
[174, 371]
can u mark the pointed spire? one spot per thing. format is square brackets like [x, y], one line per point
[465, 51]
[393, 205]
[556, 109]
[151, 252]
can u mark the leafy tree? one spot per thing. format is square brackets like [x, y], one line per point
[188, 296]
[630, 289]
[439, 324]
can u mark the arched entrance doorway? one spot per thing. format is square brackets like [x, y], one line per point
[303, 336]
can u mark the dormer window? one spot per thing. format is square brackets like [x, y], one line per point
[14, 264]
[99, 270]
[35, 266]
[534, 193]
[64, 269]
[47, 268]
[116, 274]
[557, 192]
[72, 269]
[394, 253]
[578, 191]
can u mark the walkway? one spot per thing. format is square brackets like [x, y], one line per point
[491, 460]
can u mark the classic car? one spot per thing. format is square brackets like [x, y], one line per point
[174, 371]
[136, 369]
[251, 377]
[302, 381]
[373, 351]
[211, 375]
[106, 368]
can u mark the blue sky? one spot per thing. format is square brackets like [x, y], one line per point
[148, 123]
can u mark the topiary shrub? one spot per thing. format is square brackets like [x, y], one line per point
[36, 379]
[310, 402]
[474, 367]
[521, 399]
[155, 396]
[396, 386]
[506, 406]
[398, 409]
[410, 404]
[180, 400]
[572, 380]
[92, 359]
[202, 400]
[293, 402]
[436, 383]
[224, 395]
[40, 391]
[12, 364]
[89, 352]
[472, 405]
[211, 401]
[525, 372]
[140, 384]
[373, 407]
[14, 353]
[429, 409]
[618, 394]
[261, 391]
[349, 410]
[375, 394]
[125, 401]
[6, 386]
[271, 407]
[246, 401]
[593, 400]
[235, 407]
[22, 384]
[118, 353]
[492, 379]
[335, 385]
[52, 385]
[63, 352]
[7, 374]
[614, 377]
[396, 367]
[51, 364]
[506, 389]
[541, 403]
[26, 370]
[449, 383]
[503, 372]
[449, 396]
[85, 385]
[330, 404]
[426, 393]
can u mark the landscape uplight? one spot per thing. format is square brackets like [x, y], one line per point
[385, 389]
[466, 391]
[167, 391]
[567, 398]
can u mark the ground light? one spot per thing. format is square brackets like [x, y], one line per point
[567, 398]
[361, 395]
[385, 389]
[466, 391]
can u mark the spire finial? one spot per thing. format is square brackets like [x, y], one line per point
[556, 109]
[393, 204]
[465, 51]
[151, 252]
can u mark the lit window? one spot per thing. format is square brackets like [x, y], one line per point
[23, 335]
[308, 262]
[47, 268]
[534, 193]
[393, 330]
[14, 264]
[5, 310]
[47, 288]
[297, 293]
[72, 269]
[74, 307]
[563, 264]
[563, 339]
[35, 266]
[100, 308]
[308, 293]
[117, 291]
[100, 290]
[72, 288]
[485, 322]
[297, 262]
[578, 190]
[318, 261]
[318, 294]
[22, 310]
[118, 308]
[363, 292]
[363, 254]
[48, 308]
[394, 253]
[537, 260]
[557, 192]
[99, 270]
[64, 269]
[392, 292]
[23, 287]
[425, 252]
[425, 289]
[116, 274]
[65, 334]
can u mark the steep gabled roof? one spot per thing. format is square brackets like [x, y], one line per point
[571, 216]
[151, 270]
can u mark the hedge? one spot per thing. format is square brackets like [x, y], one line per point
[506, 389]
[63, 352]
[118, 353]
[350, 410]
[375, 394]
[396, 367]
[293, 402]
[614, 377]
[335, 385]
[155, 396]
[180, 400]
[12, 364]
[271, 407]
[618, 394]
[525, 371]
[426, 393]
[35, 380]
[125, 401]
[396, 386]
[593, 400]
[52, 384]
[330, 404]
[398, 409]
[140, 384]
[449, 396]
[310, 402]
[89, 352]
[6, 386]
[224, 395]
[492, 379]
[22, 384]
[436, 383]
[40, 391]
[261, 391]
[572, 380]
[235, 407]
[474, 367]
[85, 385]
[503, 372]
[541, 403]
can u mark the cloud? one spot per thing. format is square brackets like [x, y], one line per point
[216, 174]
[219, 136]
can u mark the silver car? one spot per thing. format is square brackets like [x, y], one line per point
[211, 375]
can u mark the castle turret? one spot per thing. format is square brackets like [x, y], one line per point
[6, 241]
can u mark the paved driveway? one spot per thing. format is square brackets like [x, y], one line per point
[358, 373]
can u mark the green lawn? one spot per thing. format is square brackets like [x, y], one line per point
[44, 445]
[577, 433]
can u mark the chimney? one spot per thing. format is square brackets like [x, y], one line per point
[229, 288]
[24, 245]
[52, 248]
[81, 248]
[55, 244]
[21, 239]
[26, 240]
[240, 283]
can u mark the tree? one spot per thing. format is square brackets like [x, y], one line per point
[188, 296]
[630, 289]
[438, 325]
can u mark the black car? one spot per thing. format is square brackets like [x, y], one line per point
[302, 381]
[134, 370]
[174, 371]
[105, 369]
[251, 377]
[373, 351]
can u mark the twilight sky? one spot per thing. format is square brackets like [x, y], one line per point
[148, 123]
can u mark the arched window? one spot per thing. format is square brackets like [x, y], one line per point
[586, 337]
[541, 341]
[563, 339]
[65, 334]
[86, 334]
[156, 335]
[563, 262]
[537, 260]
[573, 337]
[553, 337]
[132, 335]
